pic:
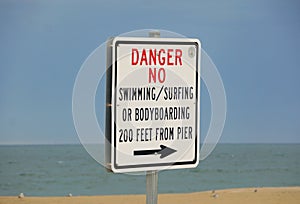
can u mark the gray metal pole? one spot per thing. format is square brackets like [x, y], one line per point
[151, 187]
[152, 176]
[154, 34]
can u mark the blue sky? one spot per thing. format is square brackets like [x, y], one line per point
[255, 45]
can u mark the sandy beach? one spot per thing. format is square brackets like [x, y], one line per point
[290, 195]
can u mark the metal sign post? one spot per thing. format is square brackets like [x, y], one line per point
[152, 176]
[151, 187]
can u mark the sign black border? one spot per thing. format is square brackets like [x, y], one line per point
[117, 43]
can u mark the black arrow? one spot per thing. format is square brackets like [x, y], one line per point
[163, 151]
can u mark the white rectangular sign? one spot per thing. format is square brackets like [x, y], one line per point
[155, 114]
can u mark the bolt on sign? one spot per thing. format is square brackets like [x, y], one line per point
[153, 103]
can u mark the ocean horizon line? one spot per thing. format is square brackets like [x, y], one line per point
[77, 144]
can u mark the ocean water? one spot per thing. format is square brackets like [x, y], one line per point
[57, 170]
